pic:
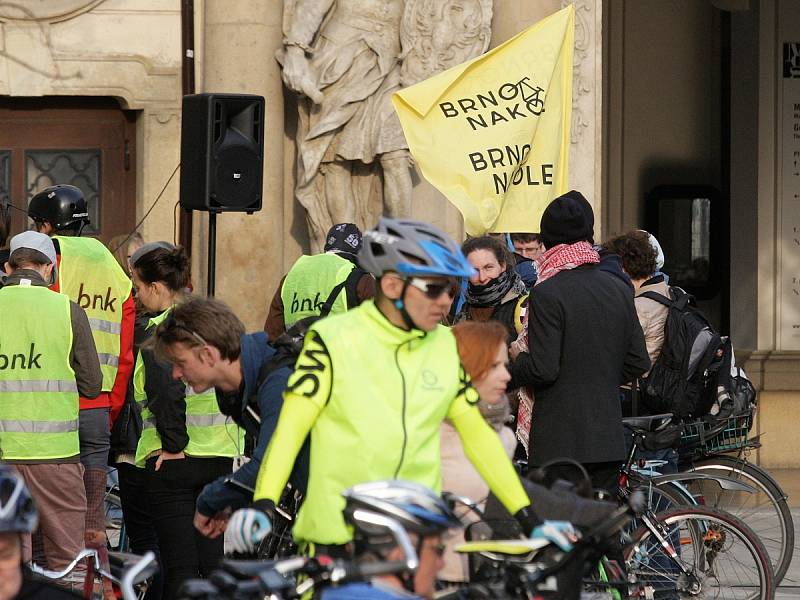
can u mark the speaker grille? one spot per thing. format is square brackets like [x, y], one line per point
[237, 177]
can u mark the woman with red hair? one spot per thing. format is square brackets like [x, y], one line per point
[483, 352]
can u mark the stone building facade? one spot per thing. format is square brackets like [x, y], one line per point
[651, 106]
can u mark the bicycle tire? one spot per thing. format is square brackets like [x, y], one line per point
[660, 498]
[766, 511]
[710, 535]
[116, 535]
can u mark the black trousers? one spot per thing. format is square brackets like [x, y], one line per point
[138, 519]
[173, 490]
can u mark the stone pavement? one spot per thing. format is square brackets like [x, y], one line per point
[790, 482]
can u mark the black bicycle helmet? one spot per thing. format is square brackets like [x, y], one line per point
[415, 507]
[63, 206]
[17, 511]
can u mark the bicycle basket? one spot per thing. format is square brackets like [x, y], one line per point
[713, 436]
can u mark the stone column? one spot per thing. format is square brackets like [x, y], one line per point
[585, 157]
[239, 43]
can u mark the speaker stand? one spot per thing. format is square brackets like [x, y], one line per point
[212, 252]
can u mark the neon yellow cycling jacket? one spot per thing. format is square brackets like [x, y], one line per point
[373, 397]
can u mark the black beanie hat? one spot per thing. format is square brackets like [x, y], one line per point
[343, 238]
[566, 220]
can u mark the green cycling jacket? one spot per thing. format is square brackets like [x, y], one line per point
[373, 397]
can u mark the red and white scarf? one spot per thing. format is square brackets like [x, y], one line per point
[558, 258]
[564, 257]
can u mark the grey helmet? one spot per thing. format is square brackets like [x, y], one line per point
[411, 248]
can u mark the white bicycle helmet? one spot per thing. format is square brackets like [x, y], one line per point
[17, 510]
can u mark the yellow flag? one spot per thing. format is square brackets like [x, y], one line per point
[492, 134]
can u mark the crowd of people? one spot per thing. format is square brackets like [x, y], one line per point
[393, 355]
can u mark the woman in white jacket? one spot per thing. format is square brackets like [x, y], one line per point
[483, 352]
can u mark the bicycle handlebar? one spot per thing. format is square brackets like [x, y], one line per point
[83, 554]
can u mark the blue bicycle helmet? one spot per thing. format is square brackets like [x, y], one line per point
[17, 510]
[415, 507]
[412, 248]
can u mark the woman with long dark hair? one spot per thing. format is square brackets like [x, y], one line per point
[186, 442]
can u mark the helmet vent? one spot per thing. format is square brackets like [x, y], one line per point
[434, 235]
[414, 258]
[377, 249]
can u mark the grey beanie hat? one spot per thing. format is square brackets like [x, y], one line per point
[149, 247]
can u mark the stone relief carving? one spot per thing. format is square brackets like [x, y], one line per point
[583, 76]
[49, 11]
[345, 58]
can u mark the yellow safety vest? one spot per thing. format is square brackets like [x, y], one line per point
[210, 432]
[309, 283]
[38, 392]
[91, 277]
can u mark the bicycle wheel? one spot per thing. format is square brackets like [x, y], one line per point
[717, 556]
[659, 498]
[765, 511]
[116, 537]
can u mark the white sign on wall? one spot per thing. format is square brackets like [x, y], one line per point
[789, 218]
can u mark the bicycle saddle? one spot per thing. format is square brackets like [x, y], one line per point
[648, 423]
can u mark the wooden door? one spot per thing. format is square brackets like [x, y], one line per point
[86, 142]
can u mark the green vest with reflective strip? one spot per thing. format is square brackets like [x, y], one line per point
[38, 392]
[210, 432]
[309, 283]
[91, 276]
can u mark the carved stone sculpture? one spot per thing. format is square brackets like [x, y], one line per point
[345, 58]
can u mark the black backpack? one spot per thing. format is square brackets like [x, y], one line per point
[692, 364]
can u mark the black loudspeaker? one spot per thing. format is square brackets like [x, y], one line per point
[222, 152]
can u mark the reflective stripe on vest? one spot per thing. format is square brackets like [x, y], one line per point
[309, 283]
[91, 276]
[105, 326]
[193, 421]
[10, 426]
[38, 392]
[108, 359]
[210, 432]
[39, 385]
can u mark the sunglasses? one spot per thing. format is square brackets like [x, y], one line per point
[434, 289]
[172, 323]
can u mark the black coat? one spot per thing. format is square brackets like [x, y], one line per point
[585, 340]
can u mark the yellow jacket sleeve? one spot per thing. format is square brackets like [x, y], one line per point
[306, 394]
[485, 451]
[297, 417]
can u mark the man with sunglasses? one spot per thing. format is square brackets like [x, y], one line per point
[372, 386]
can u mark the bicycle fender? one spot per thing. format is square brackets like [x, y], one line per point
[726, 483]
